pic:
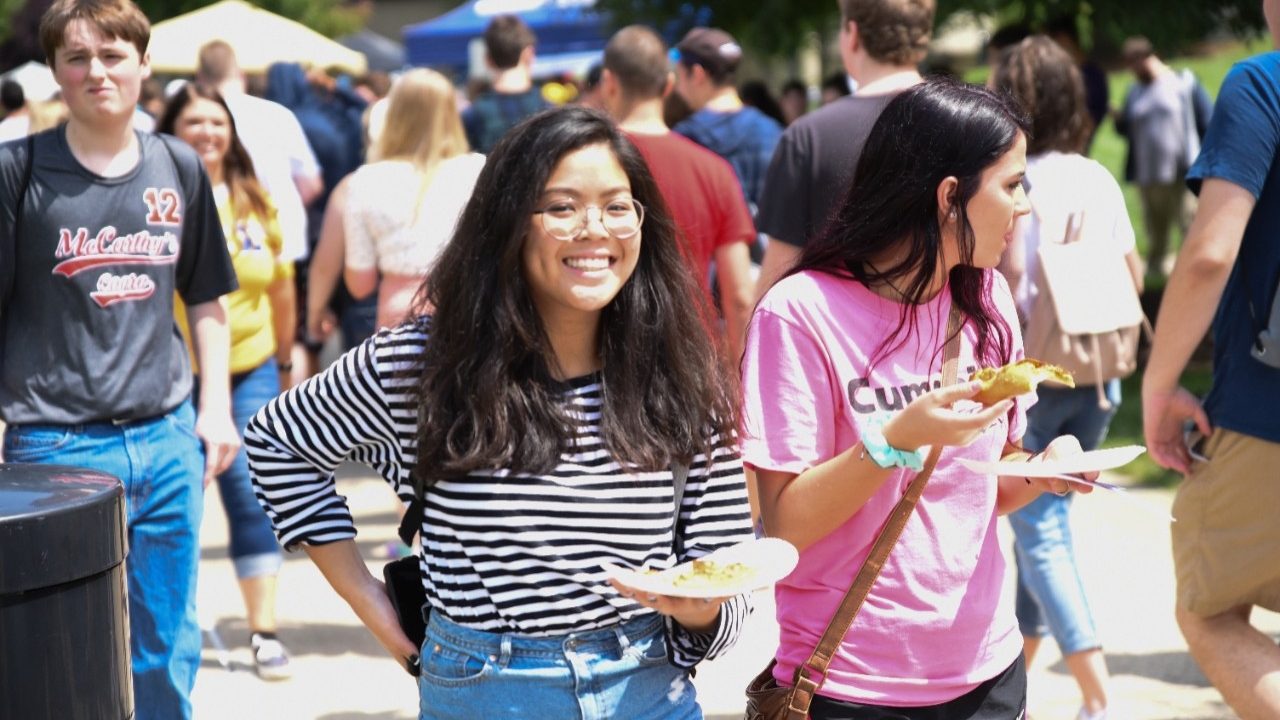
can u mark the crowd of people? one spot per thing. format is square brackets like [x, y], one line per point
[636, 328]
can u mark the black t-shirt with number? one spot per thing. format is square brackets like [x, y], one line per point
[87, 329]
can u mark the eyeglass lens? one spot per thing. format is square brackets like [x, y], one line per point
[567, 219]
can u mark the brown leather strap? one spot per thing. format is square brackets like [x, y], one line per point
[812, 673]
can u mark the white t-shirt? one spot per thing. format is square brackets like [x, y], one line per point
[391, 223]
[280, 152]
[1061, 185]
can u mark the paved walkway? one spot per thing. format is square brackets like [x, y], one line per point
[341, 673]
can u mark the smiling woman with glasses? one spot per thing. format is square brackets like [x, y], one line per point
[562, 381]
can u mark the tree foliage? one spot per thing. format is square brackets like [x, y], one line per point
[1171, 27]
[327, 17]
[20, 20]
[778, 27]
[771, 27]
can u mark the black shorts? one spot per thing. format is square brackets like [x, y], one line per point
[1003, 697]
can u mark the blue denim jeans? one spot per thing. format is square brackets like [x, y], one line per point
[359, 321]
[161, 463]
[1051, 597]
[620, 673]
[255, 552]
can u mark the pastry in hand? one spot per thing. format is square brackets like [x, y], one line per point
[1016, 379]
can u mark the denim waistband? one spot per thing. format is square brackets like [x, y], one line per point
[507, 645]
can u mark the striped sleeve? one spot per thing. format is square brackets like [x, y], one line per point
[296, 441]
[714, 514]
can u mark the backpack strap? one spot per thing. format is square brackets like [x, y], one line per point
[27, 167]
[26, 185]
[177, 167]
[679, 478]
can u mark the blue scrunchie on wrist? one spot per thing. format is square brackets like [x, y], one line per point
[881, 452]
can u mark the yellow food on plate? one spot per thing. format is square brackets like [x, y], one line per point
[1016, 379]
[709, 574]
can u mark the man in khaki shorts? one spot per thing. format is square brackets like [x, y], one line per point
[1226, 541]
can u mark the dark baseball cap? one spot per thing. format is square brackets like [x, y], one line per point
[712, 48]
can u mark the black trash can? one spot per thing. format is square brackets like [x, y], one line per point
[64, 622]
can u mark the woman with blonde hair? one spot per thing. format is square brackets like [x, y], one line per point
[403, 205]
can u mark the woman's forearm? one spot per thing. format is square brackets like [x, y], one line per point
[802, 509]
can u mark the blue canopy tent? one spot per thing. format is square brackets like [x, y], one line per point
[563, 27]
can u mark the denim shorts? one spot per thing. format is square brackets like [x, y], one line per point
[618, 673]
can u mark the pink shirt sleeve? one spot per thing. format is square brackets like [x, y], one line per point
[788, 414]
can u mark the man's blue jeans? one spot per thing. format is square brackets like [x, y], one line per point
[161, 463]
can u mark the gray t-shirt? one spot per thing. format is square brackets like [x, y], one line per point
[812, 167]
[87, 329]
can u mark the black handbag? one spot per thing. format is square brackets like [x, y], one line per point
[403, 578]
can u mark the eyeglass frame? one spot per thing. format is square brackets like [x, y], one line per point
[586, 218]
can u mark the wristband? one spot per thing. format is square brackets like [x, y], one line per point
[882, 453]
[285, 366]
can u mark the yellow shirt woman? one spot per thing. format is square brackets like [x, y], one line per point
[255, 244]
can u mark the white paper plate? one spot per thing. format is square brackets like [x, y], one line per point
[771, 559]
[1105, 459]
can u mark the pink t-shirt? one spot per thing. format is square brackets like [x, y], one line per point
[937, 622]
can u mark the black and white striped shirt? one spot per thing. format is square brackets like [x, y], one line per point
[502, 552]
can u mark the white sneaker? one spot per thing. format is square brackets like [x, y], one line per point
[270, 658]
[1086, 715]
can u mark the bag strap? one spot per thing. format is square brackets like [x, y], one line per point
[7, 300]
[411, 523]
[679, 478]
[416, 513]
[805, 686]
[26, 184]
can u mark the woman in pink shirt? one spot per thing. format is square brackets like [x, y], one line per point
[843, 396]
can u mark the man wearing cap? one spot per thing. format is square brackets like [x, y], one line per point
[881, 43]
[698, 186]
[706, 72]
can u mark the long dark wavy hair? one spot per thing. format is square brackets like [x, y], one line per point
[935, 130]
[487, 396]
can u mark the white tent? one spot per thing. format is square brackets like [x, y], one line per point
[36, 80]
[260, 38]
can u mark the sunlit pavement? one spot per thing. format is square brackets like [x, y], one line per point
[341, 673]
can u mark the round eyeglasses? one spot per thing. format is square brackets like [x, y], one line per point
[567, 219]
